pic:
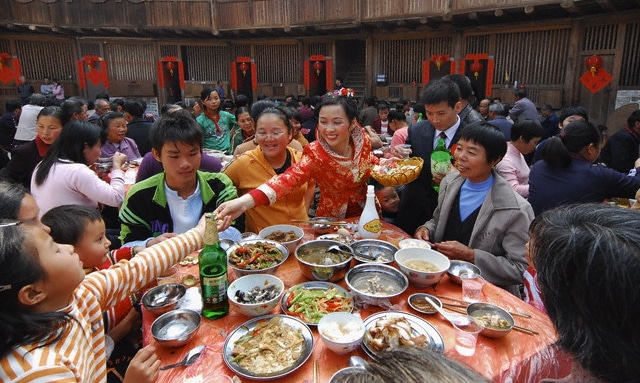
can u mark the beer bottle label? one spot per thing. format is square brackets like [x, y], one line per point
[214, 289]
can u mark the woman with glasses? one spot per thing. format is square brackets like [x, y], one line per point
[339, 161]
[113, 127]
[272, 156]
[25, 157]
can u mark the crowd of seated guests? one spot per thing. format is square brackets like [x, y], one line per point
[481, 214]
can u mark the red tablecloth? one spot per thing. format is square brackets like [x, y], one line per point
[518, 357]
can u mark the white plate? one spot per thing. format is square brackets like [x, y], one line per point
[249, 326]
[314, 285]
[419, 327]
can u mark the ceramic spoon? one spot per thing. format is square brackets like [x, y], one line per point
[454, 319]
[188, 360]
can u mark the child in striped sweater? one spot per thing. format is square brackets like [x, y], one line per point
[51, 314]
[84, 229]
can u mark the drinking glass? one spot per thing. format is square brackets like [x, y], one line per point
[467, 336]
[471, 287]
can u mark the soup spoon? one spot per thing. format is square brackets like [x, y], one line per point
[454, 319]
[188, 360]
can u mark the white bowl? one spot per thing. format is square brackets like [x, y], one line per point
[291, 245]
[419, 277]
[341, 332]
[248, 283]
[413, 242]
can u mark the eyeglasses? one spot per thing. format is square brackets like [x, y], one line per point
[274, 135]
[10, 223]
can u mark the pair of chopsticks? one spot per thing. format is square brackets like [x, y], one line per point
[515, 327]
[465, 304]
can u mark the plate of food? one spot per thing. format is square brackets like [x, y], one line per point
[388, 330]
[394, 172]
[337, 237]
[268, 347]
[310, 301]
[256, 256]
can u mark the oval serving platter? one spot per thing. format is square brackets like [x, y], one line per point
[419, 327]
[314, 285]
[247, 327]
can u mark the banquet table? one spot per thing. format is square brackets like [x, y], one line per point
[518, 357]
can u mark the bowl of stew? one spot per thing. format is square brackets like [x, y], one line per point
[423, 267]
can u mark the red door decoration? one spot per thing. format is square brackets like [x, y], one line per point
[171, 77]
[596, 77]
[92, 72]
[439, 66]
[479, 69]
[318, 75]
[170, 70]
[9, 69]
[244, 76]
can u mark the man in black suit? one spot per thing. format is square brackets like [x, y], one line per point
[419, 198]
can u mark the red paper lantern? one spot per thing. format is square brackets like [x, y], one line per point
[594, 63]
[244, 67]
[317, 66]
[171, 66]
[90, 63]
[476, 67]
[440, 59]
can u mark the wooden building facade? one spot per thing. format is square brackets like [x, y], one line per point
[171, 49]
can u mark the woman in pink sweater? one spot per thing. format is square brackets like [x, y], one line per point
[63, 177]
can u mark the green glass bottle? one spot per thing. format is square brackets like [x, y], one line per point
[440, 160]
[213, 272]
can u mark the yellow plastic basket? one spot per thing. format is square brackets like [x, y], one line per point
[405, 171]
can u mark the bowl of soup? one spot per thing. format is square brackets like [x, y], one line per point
[376, 284]
[324, 259]
[423, 267]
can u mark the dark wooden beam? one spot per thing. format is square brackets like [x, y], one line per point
[606, 5]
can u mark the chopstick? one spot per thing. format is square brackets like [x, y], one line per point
[525, 330]
[523, 315]
[315, 371]
[452, 299]
[515, 327]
